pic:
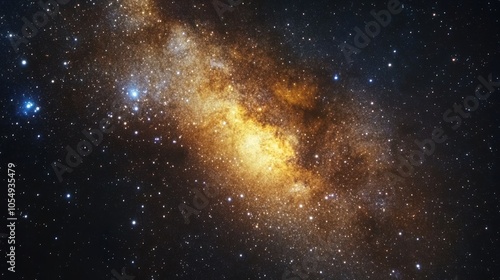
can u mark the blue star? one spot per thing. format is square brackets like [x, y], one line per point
[29, 108]
[134, 93]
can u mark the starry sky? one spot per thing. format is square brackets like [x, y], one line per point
[252, 139]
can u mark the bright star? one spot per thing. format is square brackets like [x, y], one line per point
[29, 108]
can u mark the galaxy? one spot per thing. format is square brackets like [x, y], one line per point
[250, 140]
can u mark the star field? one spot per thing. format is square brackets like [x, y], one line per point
[253, 140]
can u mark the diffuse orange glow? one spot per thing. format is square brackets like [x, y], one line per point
[258, 124]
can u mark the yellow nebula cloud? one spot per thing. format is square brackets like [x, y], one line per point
[136, 13]
[300, 94]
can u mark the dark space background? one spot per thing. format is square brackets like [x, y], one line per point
[119, 208]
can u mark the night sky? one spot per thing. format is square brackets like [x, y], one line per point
[256, 139]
